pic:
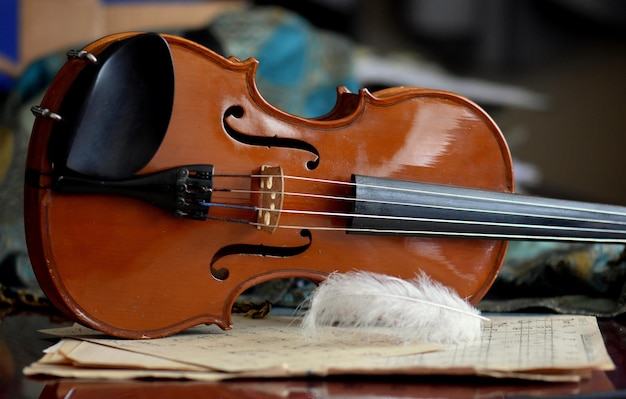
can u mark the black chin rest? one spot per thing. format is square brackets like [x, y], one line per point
[116, 112]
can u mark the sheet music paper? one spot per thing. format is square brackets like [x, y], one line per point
[518, 344]
[548, 347]
[259, 345]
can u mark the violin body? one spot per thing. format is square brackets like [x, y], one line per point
[129, 268]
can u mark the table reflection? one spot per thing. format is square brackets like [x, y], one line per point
[434, 387]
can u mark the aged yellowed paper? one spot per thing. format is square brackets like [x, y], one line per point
[547, 347]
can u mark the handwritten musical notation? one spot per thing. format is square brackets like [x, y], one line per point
[529, 344]
[546, 347]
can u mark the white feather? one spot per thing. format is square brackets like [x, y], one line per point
[413, 310]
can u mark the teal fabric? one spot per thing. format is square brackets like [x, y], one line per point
[561, 277]
[300, 66]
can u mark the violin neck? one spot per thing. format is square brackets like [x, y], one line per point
[394, 207]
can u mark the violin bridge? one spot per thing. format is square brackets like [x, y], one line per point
[271, 198]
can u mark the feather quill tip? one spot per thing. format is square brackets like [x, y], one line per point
[419, 309]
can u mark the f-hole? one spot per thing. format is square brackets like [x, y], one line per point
[237, 111]
[257, 250]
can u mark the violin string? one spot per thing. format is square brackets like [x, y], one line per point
[418, 219]
[451, 208]
[440, 220]
[430, 206]
[505, 236]
[411, 232]
[529, 201]
[431, 233]
[470, 197]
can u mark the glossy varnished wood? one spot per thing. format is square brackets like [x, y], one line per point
[132, 270]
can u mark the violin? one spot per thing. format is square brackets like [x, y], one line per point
[160, 185]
